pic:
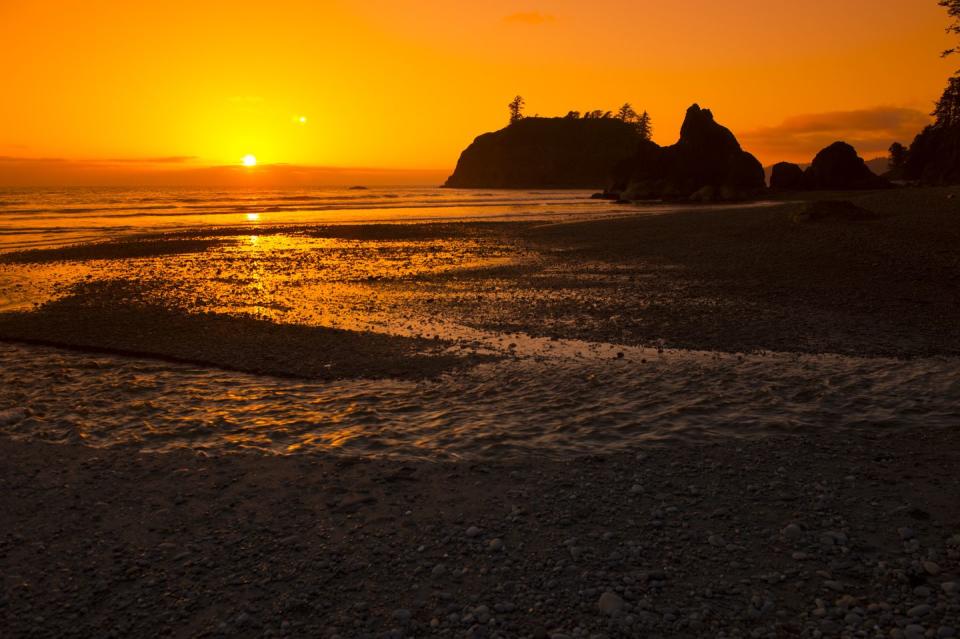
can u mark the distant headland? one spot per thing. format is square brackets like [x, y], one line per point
[575, 151]
[613, 153]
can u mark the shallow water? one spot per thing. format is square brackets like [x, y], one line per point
[546, 396]
[577, 399]
[31, 218]
[42, 218]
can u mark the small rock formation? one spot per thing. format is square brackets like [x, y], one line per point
[786, 176]
[838, 167]
[706, 164]
[546, 153]
[833, 211]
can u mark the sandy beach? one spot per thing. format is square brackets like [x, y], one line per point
[708, 422]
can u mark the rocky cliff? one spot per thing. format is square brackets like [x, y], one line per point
[546, 153]
[706, 164]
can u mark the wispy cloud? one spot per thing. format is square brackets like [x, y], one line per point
[169, 159]
[178, 171]
[12, 159]
[529, 18]
[871, 131]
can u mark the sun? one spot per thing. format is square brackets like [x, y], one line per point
[249, 160]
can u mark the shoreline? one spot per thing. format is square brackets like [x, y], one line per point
[737, 280]
[809, 532]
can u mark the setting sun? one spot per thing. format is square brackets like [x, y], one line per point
[249, 160]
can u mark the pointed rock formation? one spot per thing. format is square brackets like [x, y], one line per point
[706, 164]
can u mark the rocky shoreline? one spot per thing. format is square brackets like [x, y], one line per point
[855, 533]
[857, 536]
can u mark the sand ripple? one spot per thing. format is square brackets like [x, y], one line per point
[551, 405]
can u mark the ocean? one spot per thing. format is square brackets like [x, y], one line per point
[43, 218]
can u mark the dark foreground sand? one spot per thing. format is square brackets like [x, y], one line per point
[856, 534]
[792, 536]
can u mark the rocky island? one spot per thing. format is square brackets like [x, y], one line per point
[535, 153]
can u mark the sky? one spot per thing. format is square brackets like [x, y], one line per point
[390, 91]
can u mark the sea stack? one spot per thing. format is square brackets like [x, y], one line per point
[536, 153]
[706, 164]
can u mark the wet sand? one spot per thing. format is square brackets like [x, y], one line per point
[769, 527]
[726, 280]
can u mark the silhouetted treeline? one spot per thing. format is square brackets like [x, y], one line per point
[934, 155]
[642, 122]
[953, 10]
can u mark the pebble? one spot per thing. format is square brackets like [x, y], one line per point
[473, 531]
[717, 540]
[836, 586]
[921, 610]
[914, 631]
[792, 532]
[496, 545]
[610, 603]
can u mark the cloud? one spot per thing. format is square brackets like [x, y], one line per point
[177, 171]
[12, 159]
[170, 159]
[871, 131]
[529, 18]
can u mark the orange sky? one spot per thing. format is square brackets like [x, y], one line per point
[115, 91]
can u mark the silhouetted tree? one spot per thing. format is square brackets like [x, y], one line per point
[953, 10]
[516, 109]
[947, 111]
[573, 115]
[898, 156]
[645, 126]
[627, 114]
[596, 114]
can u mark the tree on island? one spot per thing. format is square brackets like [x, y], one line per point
[953, 10]
[626, 113]
[644, 126]
[947, 111]
[898, 156]
[934, 156]
[516, 109]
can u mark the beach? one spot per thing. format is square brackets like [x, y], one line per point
[524, 419]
